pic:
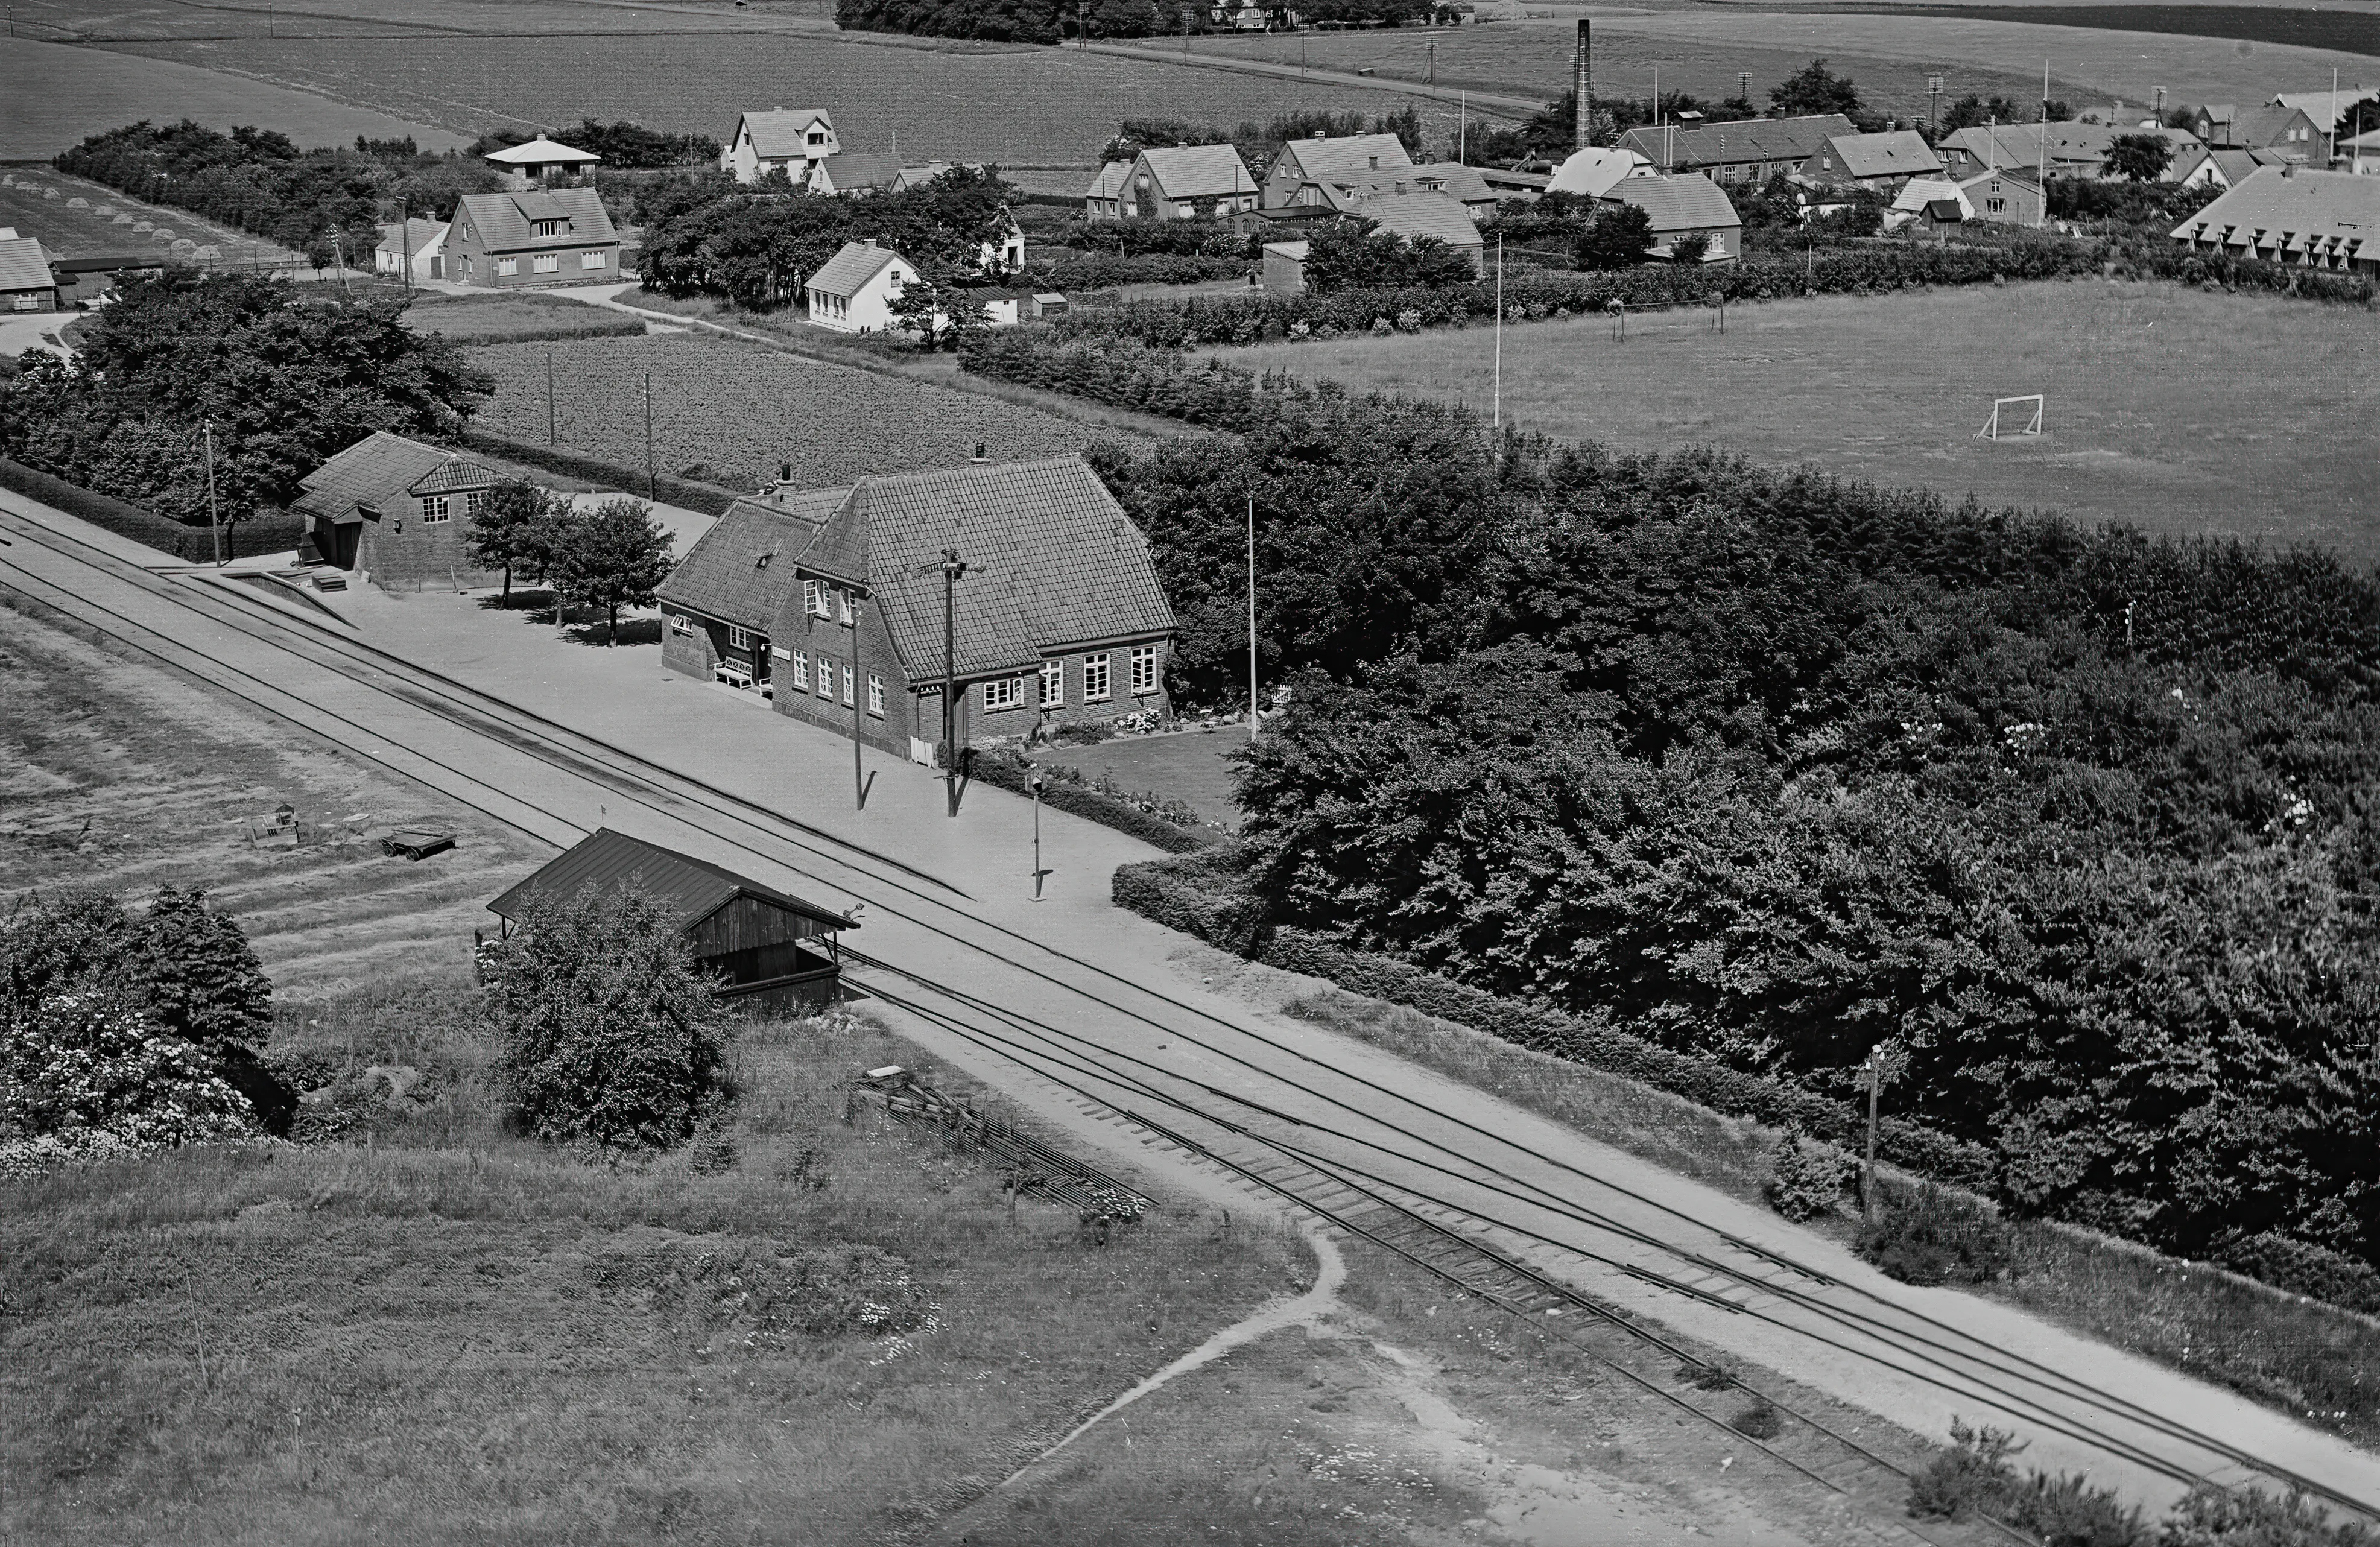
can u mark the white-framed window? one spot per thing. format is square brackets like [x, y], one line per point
[436, 508]
[681, 623]
[846, 604]
[593, 260]
[802, 670]
[848, 685]
[1995, 206]
[875, 694]
[546, 262]
[475, 503]
[1005, 692]
[27, 303]
[507, 266]
[1143, 668]
[1053, 684]
[825, 679]
[546, 227]
[813, 599]
[738, 638]
[1095, 677]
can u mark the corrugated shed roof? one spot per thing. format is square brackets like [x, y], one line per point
[689, 890]
[1345, 152]
[1902, 152]
[501, 220]
[852, 267]
[24, 266]
[742, 569]
[1052, 561]
[1199, 171]
[1738, 140]
[2290, 208]
[378, 467]
[1414, 215]
[541, 151]
[783, 132]
[1690, 202]
[1109, 183]
[856, 169]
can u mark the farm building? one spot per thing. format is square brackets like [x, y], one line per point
[1684, 206]
[1104, 198]
[1284, 267]
[543, 238]
[1434, 215]
[538, 162]
[2320, 220]
[396, 512]
[779, 142]
[1881, 162]
[1306, 160]
[2005, 196]
[721, 603]
[418, 244]
[1177, 182]
[854, 291]
[96, 273]
[1058, 617]
[1744, 151]
[26, 282]
[773, 952]
[1592, 172]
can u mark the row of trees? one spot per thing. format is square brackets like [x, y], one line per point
[625, 147]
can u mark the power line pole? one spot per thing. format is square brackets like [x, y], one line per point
[207, 429]
[953, 567]
[1252, 615]
[651, 484]
[852, 606]
[1497, 421]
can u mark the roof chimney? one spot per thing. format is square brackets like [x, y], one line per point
[784, 473]
[1583, 92]
[1376, 164]
[982, 454]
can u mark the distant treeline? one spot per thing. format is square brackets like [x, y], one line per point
[625, 147]
[1050, 21]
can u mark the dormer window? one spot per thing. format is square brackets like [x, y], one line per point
[547, 228]
[762, 562]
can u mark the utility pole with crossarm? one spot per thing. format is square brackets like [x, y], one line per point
[953, 567]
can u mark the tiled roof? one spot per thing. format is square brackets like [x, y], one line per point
[2238, 162]
[1737, 141]
[541, 151]
[1593, 171]
[1198, 171]
[1692, 203]
[1109, 183]
[1453, 179]
[780, 133]
[1414, 215]
[420, 236]
[24, 266]
[2317, 104]
[853, 169]
[742, 569]
[2266, 126]
[501, 220]
[374, 468]
[1052, 561]
[1903, 153]
[456, 472]
[2277, 208]
[852, 267]
[1346, 153]
[2021, 176]
[689, 890]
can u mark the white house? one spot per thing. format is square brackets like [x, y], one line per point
[523, 167]
[422, 242]
[1006, 255]
[778, 140]
[856, 291]
[1593, 171]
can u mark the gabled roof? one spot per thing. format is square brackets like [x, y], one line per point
[2021, 176]
[2317, 104]
[1198, 171]
[1414, 215]
[1594, 170]
[858, 169]
[2278, 207]
[420, 236]
[1053, 562]
[1453, 179]
[742, 569]
[1902, 152]
[382, 466]
[23, 265]
[1920, 195]
[1109, 183]
[501, 220]
[688, 890]
[1690, 202]
[780, 133]
[541, 151]
[852, 266]
[1345, 152]
[2267, 125]
[1736, 141]
[2238, 162]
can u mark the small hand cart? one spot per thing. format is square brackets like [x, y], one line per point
[416, 842]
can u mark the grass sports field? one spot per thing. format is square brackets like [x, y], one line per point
[2182, 412]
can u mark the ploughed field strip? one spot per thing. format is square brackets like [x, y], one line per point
[1459, 1221]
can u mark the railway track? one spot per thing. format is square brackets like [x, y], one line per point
[1508, 1234]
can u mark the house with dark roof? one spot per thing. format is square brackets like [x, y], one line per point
[548, 237]
[2071, 150]
[2006, 195]
[2228, 166]
[1684, 206]
[2287, 214]
[1178, 182]
[856, 172]
[1338, 193]
[26, 282]
[1435, 217]
[1739, 150]
[720, 605]
[397, 512]
[768, 950]
[2274, 126]
[1058, 615]
[854, 291]
[1306, 160]
[778, 140]
[1881, 162]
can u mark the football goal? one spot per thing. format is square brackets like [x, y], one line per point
[2007, 413]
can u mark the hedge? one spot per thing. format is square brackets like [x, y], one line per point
[709, 498]
[275, 534]
[1005, 771]
[1170, 893]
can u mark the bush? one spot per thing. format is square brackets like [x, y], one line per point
[273, 532]
[2213, 1515]
[1757, 1419]
[1970, 1476]
[1973, 1477]
[1930, 1236]
[608, 1032]
[88, 1074]
[1170, 827]
[1196, 894]
[1806, 1177]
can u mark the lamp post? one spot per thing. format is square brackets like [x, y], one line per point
[1037, 871]
[1873, 1076]
[953, 567]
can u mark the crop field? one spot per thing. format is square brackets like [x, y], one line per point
[2335, 26]
[742, 410]
[72, 216]
[118, 20]
[2180, 412]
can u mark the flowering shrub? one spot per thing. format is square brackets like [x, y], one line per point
[88, 1076]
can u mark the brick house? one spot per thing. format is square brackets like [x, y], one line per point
[1742, 151]
[2275, 126]
[1177, 182]
[518, 241]
[1688, 206]
[1308, 161]
[1104, 198]
[397, 512]
[1881, 162]
[1057, 617]
[2005, 196]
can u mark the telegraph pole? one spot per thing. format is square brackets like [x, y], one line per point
[1934, 105]
[1252, 615]
[953, 567]
[652, 485]
[853, 603]
[207, 431]
[1873, 1075]
[1497, 421]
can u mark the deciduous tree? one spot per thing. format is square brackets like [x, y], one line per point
[613, 556]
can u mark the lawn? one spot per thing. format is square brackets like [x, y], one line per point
[2182, 411]
[509, 319]
[1193, 766]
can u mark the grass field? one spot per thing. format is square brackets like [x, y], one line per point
[2182, 411]
[73, 217]
[507, 319]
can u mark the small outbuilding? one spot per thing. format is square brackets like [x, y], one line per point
[26, 282]
[419, 244]
[539, 161]
[773, 952]
[1284, 266]
[397, 512]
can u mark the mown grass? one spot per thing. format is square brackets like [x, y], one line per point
[518, 319]
[420, 1335]
[2304, 1358]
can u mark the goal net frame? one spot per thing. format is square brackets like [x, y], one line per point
[1992, 431]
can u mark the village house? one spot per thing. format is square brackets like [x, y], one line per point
[1592, 171]
[2228, 166]
[1879, 162]
[539, 162]
[1416, 216]
[778, 140]
[2274, 126]
[856, 291]
[1740, 150]
[1057, 618]
[1104, 198]
[769, 951]
[857, 172]
[1928, 205]
[26, 282]
[1178, 182]
[1681, 206]
[2005, 196]
[1308, 161]
[547, 236]
[421, 244]
[2072, 150]
[2288, 215]
[1337, 193]
[397, 513]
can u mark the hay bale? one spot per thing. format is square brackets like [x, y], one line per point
[77, 202]
[123, 220]
[143, 225]
[162, 234]
[49, 193]
[104, 210]
[207, 252]
[184, 244]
